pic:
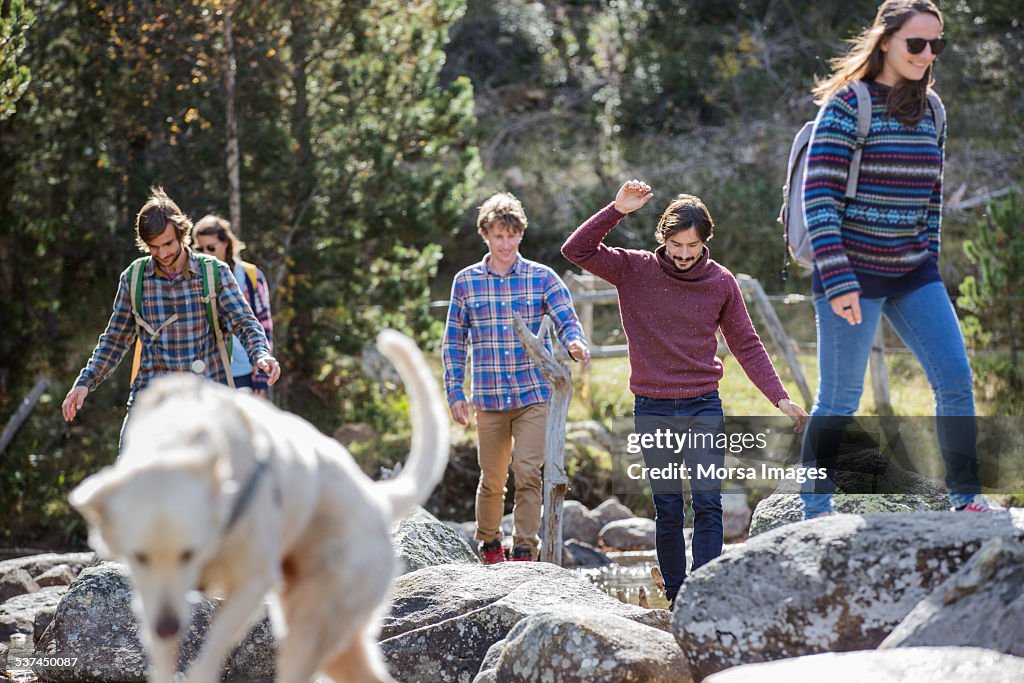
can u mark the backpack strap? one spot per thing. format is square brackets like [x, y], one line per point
[250, 277]
[136, 273]
[938, 113]
[860, 89]
[211, 281]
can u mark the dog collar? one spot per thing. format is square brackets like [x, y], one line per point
[245, 496]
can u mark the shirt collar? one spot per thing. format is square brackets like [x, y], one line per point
[192, 268]
[511, 271]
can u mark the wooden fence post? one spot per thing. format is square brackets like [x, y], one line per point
[880, 373]
[556, 482]
[778, 333]
[42, 384]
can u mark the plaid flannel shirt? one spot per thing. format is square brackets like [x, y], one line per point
[183, 342]
[480, 316]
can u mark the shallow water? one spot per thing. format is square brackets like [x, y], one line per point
[630, 571]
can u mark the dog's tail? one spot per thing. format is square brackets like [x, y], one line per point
[428, 456]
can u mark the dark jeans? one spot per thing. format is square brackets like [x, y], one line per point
[677, 415]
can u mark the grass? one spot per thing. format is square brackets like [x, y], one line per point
[910, 392]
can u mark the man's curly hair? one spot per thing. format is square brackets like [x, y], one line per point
[502, 208]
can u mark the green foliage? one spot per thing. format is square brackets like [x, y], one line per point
[370, 130]
[389, 174]
[355, 161]
[15, 20]
[992, 299]
[992, 296]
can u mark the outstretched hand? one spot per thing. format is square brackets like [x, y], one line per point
[794, 412]
[632, 195]
[73, 402]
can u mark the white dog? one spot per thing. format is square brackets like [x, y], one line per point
[221, 491]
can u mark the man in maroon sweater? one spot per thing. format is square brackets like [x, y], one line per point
[672, 302]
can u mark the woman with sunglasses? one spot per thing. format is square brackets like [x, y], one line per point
[877, 254]
[213, 235]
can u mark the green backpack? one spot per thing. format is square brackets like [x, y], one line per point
[210, 274]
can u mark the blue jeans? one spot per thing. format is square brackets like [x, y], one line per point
[926, 322]
[706, 497]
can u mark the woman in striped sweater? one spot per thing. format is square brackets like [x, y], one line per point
[877, 254]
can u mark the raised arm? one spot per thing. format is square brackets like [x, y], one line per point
[586, 248]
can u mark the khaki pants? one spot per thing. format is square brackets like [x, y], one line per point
[496, 431]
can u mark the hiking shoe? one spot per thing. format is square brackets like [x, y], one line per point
[979, 504]
[492, 552]
[522, 553]
[815, 515]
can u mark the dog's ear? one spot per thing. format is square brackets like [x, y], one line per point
[90, 499]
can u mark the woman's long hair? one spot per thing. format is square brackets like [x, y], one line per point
[865, 60]
[216, 226]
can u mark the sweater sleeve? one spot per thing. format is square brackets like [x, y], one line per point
[828, 165]
[260, 302]
[935, 204]
[746, 346]
[238, 317]
[586, 247]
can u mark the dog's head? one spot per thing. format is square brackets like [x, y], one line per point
[162, 508]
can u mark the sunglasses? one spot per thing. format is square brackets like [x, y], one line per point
[915, 46]
[209, 248]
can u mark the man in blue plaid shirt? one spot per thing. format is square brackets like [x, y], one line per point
[172, 285]
[509, 393]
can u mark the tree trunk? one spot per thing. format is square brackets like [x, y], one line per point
[297, 242]
[233, 153]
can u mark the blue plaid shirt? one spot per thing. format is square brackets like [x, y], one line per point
[480, 315]
[181, 343]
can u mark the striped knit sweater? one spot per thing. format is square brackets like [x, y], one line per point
[892, 226]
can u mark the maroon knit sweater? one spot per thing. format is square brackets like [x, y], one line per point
[670, 317]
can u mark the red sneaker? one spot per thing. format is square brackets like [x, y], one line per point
[492, 552]
[979, 504]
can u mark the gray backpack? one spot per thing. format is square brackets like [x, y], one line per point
[791, 215]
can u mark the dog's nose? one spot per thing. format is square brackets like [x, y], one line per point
[167, 626]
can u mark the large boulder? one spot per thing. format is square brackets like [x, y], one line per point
[420, 540]
[783, 508]
[918, 664]
[579, 523]
[18, 615]
[735, 515]
[59, 575]
[579, 555]
[36, 565]
[467, 531]
[610, 511]
[570, 645]
[16, 582]
[981, 605]
[94, 624]
[489, 666]
[635, 533]
[830, 584]
[444, 619]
